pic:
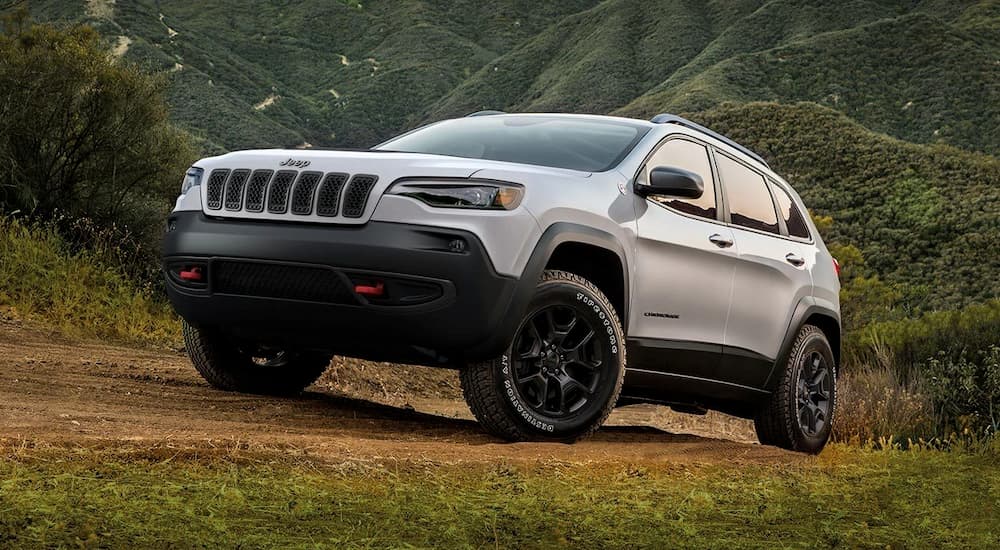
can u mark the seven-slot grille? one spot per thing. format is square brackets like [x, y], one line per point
[289, 191]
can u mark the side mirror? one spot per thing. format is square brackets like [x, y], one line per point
[672, 182]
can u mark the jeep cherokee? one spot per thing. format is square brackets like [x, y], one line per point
[534, 253]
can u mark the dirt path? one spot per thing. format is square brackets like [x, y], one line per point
[55, 392]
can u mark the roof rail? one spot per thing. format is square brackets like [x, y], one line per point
[485, 113]
[667, 118]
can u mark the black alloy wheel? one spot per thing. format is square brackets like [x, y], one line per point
[799, 412]
[813, 394]
[563, 371]
[557, 361]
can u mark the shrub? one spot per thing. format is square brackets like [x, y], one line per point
[85, 136]
[944, 335]
[81, 293]
[967, 392]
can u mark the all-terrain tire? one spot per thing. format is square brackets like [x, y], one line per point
[491, 390]
[222, 363]
[779, 422]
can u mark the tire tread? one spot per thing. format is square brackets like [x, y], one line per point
[480, 380]
[775, 424]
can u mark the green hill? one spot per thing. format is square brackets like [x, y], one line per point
[885, 114]
[912, 75]
[926, 217]
[252, 73]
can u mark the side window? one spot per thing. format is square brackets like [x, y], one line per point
[750, 202]
[794, 221]
[692, 156]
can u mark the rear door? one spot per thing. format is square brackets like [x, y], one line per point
[685, 261]
[773, 272]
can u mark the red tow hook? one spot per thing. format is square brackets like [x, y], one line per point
[374, 291]
[193, 274]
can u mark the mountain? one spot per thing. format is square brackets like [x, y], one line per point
[349, 74]
[884, 114]
[920, 74]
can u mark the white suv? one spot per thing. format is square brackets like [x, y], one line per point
[534, 252]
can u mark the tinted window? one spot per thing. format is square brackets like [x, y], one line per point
[749, 201]
[590, 145]
[794, 221]
[688, 155]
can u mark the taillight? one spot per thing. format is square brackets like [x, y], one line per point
[836, 267]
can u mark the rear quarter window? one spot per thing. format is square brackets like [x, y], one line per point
[750, 203]
[794, 220]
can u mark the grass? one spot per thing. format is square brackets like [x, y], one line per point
[81, 294]
[845, 498]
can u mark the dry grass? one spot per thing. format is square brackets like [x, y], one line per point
[876, 405]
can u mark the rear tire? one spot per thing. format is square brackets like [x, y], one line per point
[562, 374]
[799, 414]
[226, 365]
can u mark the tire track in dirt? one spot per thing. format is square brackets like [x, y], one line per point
[59, 392]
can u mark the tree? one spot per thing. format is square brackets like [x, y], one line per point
[81, 133]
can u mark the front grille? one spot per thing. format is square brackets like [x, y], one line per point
[216, 184]
[284, 192]
[302, 196]
[277, 194]
[257, 190]
[289, 282]
[234, 189]
[328, 198]
[356, 195]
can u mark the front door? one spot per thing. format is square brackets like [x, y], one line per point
[685, 262]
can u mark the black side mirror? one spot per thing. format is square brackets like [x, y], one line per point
[672, 182]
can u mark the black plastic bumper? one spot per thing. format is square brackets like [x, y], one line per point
[443, 301]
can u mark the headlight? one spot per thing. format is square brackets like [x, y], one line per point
[191, 179]
[476, 195]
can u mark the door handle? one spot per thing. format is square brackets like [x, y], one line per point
[797, 261]
[721, 241]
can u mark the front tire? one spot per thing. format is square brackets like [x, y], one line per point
[229, 366]
[799, 414]
[562, 374]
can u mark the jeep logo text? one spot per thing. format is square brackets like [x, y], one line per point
[295, 163]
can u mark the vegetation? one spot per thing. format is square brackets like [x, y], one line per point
[847, 498]
[882, 113]
[84, 136]
[923, 72]
[82, 293]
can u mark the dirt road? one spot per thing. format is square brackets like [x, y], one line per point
[55, 392]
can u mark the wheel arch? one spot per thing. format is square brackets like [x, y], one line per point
[808, 312]
[556, 249]
[591, 253]
[597, 264]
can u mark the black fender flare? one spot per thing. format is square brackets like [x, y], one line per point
[553, 236]
[806, 308]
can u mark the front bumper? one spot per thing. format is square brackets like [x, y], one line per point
[294, 285]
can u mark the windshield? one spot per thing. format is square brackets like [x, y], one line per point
[586, 144]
